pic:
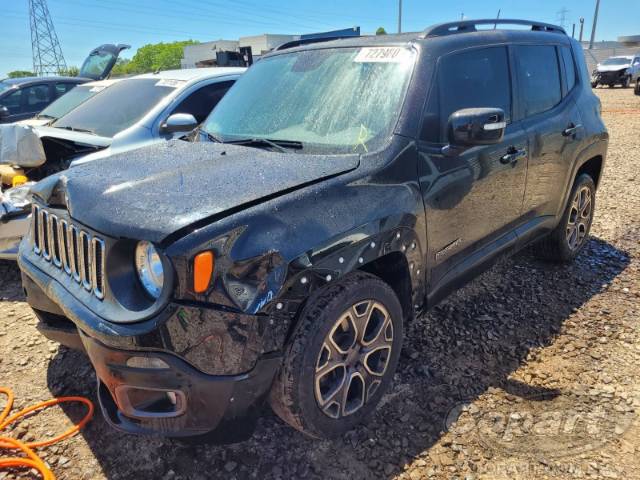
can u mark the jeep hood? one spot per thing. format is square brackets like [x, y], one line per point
[152, 192]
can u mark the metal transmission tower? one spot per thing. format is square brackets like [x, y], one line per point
[47, 54]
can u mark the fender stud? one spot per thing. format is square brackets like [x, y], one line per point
[303, 280]
[398, 235]
[279, 306]
[328, 278]
[373, 244]
[341, 260]
[361, 260]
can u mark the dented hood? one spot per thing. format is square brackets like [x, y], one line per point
[153, 192]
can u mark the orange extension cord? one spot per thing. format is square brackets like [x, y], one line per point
[32, 460]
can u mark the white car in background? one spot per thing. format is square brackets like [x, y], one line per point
[130, 114]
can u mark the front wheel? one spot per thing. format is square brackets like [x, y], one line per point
[341, 358]
[626, 83]
[637, 89]
[568, 238]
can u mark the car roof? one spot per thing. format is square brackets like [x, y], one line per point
[25, 80]
[627, 57]
[102, 83]
[193, 73]
[426, 37]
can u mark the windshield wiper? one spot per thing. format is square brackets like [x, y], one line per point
[280, 145]
[44, 115]
[82, 130]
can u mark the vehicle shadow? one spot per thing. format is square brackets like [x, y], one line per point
[469, 344]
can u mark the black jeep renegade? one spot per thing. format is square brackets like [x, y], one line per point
[339, 189]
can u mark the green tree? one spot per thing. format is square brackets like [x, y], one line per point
[69, 72]
[153, 57]
[20, 74]
[381, 31]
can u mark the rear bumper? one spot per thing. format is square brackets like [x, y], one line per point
[11, 233]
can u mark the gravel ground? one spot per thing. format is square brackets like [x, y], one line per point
[528, 372]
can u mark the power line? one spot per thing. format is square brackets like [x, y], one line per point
[562, 16]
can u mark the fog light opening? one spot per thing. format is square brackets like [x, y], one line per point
[150, 403]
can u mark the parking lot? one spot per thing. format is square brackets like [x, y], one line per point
[531, 371]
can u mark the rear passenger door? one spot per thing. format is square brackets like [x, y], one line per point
[472, 197]
[35, 98]
[552, 121]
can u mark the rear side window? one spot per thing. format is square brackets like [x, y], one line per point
[538, 77]
[473, 79]
[62, 88]
[569, 67]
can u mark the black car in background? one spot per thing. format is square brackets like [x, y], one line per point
[22, 98]
[339, 189]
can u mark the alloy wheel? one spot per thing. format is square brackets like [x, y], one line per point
[579, 217]
[353, 359]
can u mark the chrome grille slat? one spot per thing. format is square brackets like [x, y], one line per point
[73, 250]
[46, 242]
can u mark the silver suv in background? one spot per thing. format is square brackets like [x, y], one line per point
[622, 70]
[133, 113]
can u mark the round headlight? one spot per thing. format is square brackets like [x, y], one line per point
[149, 267]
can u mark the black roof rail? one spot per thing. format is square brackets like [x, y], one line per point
[464, 26]
[307, 41]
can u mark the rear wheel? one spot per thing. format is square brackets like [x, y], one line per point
[341, 357]
[594, 84]
[568, 238]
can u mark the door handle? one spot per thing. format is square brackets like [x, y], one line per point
[571, 130]
[513, 155]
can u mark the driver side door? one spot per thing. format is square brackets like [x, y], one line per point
[473, 196]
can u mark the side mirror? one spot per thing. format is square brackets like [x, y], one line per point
[4, 112]
[476, 126]
[179, 122]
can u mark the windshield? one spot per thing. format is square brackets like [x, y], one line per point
[617, 61]
[69, 101]
[4, 86]
[117, 107]
[338, 100]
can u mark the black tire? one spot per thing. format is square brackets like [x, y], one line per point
[626, 83]
[637, 89]
[294, 394]
[611, 85]
[594, 84]
[556, 246]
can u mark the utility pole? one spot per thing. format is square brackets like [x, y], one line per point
[45, 47]
[573, 31]
[399, 16]
[595, 22]
[581, 28]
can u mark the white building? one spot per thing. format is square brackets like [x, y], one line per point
[204, 54]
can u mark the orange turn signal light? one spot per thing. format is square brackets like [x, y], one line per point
[202, 271]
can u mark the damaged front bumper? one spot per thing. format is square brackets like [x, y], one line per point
[149, 380]
[12, 228]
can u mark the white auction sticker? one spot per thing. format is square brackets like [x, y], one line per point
[169, 82]
[382, 55]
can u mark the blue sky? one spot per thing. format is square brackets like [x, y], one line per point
[84, 24]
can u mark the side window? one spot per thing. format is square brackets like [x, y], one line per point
[569, 67]
[538, 78]
[37, 98]
[62, 88]
[473, 79]
[12, 102]
[201, 102]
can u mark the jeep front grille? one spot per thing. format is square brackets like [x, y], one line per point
[69, 248]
